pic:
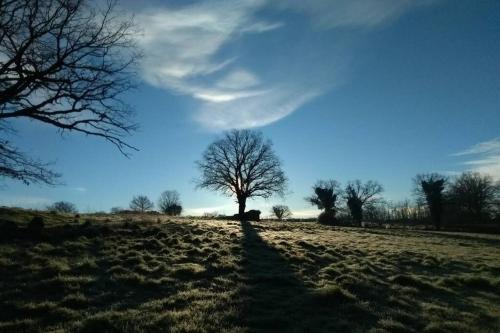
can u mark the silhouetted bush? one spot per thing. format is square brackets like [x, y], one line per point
[36, 225]
[251, 215]
[8, 229]
[327, 217]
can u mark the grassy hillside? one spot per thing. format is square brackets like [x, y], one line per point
[184, 275]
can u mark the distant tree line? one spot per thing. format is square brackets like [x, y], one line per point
[470, 198]
[243, 165]
[168, 203]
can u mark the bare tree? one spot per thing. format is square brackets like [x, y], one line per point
[170, 203]
[141, 203]
[430, 187]
[475, 194]
[65, 63]
[281, 212]
[63, 207]
[358, 195]
[326, 193]
[244, 165]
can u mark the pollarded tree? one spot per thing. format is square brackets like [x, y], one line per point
[281, 212]
[64, 63]
[141, 203]
[358, 195]
[169, 203]
[242, 164]
[326, 193]
[431, 188]
[63, 207]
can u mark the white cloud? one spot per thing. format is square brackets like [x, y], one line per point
[238, 79]
[184, 53]
[487, 147]
[254, 112]
[180, 43]
[80, 189]
[328, 14]
[484, 157]
[181, 48]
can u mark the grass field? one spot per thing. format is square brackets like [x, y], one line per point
[185, 275]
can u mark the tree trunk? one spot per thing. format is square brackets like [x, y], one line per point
[241, 207]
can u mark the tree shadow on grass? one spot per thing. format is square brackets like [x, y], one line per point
[276, 300]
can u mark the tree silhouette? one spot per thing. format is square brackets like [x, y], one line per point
[141, 203]
[325, 197]
[281, 212]
[169, 203]
[431, 187]
[358, 195]
[64, 63]
[63, 207]
[242, 164]
[475, 194]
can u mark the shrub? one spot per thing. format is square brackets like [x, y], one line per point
[251, 215]
[327, 217]
[36, 225]
[8, 229]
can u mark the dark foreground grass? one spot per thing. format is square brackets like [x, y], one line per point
[213, 276]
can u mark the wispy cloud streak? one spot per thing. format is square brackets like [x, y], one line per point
[483, 157]
[184, 46]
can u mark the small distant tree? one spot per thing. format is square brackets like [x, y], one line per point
[359, 195]
[63, 207]
[281, 212]
[325, 197]
[169, 203]
[431, 188]
[141, 203]
[475, 194]
[242, 164]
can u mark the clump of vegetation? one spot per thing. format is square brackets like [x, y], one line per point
[36, 225]
[325, 198]
[63, 207]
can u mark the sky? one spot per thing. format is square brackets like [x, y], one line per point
[368, 89]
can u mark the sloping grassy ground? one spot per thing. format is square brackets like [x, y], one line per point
[183, 275]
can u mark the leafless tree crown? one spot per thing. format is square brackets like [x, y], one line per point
[65, 63]
[365, 193]
[141, 203]
[243, 164]
[281, 212]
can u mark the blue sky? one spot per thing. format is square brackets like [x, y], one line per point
[346, 90]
